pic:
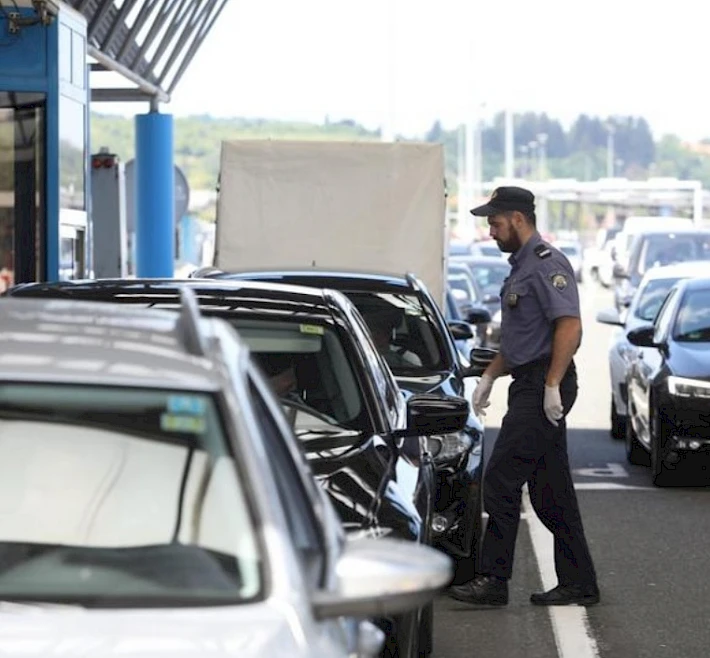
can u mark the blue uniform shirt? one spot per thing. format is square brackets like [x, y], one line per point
[541, 287]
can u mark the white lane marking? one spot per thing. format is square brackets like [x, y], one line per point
[610, 486]
[609, 471]
[570, 623]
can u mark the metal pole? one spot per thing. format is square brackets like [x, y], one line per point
[610, 152]
[698, 204]
[509, 145]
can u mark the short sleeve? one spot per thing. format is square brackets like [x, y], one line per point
[556, 288]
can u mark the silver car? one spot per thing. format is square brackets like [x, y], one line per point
[155, 500]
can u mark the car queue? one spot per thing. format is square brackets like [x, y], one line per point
[358, 389]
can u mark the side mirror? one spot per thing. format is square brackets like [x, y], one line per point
[460, 330]
[382, 577]
[478, 315]
[610, 316]
[480, 358]
[429, 414]
[642, 336]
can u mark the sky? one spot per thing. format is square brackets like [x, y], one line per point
[402, 64]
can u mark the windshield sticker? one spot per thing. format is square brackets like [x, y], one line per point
[312, 329]
[183, 424]
[186, 404]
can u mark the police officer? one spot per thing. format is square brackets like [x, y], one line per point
[541, 330]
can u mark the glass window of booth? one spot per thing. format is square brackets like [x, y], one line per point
[22, 187]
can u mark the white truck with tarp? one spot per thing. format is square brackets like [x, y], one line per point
[365, 206]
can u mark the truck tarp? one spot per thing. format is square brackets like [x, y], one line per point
[365, 206]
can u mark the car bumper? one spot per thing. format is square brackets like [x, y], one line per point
[457, 509]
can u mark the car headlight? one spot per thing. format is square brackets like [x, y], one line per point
[683, 387]
[446, 447]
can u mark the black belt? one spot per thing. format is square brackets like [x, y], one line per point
[530, 366]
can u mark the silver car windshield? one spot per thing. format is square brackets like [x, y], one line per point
[119, 497]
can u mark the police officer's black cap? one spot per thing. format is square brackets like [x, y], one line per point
[507, 199]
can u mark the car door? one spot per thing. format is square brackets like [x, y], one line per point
[411, 463]
[647, 362]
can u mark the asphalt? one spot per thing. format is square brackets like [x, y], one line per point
[651, 546]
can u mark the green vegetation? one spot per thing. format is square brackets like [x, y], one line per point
[579, 152]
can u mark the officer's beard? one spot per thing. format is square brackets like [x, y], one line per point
[513, 243]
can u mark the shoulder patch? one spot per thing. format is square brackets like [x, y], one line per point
[542, 250]
[558, 280]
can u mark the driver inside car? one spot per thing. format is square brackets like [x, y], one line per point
[382, 325]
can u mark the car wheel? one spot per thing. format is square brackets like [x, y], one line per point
[618, 423]
[426, 631]
[663, 474]
[635, 452]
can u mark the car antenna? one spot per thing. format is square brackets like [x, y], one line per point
[189, 323]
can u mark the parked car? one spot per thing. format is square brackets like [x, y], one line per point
[416, 326]
[643, 309]
[364, 441]
[469, 298]
[669, 383]
[489, 273]
[573, 251]
[160, 503]
[655, 248]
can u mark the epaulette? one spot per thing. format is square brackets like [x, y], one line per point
[542, 250]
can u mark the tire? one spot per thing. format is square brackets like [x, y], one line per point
[618, 423]
[661, 474]
[426, 631]
[635, 453]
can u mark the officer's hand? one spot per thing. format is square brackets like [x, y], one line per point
[553, 404]
[481, 395]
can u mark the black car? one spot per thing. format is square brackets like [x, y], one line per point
[656, 247]
[669, 383]
[365, 442]
[410, 331]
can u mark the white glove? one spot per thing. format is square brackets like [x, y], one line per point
[481, 394]
[553, 404]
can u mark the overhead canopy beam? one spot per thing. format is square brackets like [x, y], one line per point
[149, 42]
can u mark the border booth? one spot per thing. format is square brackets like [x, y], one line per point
[44, 120]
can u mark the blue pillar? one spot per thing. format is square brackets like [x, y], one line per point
[155, 196]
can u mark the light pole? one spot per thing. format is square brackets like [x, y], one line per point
[610, 150]
[541, 139]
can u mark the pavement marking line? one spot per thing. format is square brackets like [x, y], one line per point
[570, 623]
[610, 486]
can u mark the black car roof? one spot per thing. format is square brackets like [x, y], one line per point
[223, 295]
[346, 279]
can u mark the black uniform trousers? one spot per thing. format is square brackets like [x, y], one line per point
[530, 449]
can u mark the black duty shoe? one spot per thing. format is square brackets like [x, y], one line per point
[567, 595]
[482, 590]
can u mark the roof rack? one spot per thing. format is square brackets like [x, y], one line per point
[189, 323]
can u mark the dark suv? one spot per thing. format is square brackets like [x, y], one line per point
[411, 333]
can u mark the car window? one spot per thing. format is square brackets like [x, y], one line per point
[693, 319]
[651, 298]
[490, 277]
[665, 249]
[122, 496]
[402, 331]
[309, 369]
[387, 388]
[304, 529]
[664, 317]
